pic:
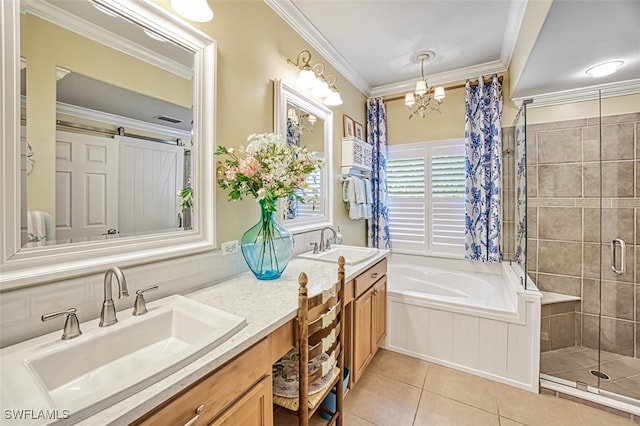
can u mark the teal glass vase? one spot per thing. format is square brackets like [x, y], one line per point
[267, 246]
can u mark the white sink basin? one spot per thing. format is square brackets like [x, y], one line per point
[105, 365]
[352, 254]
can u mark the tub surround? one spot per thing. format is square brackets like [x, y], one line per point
[266, 306]
[497, 342]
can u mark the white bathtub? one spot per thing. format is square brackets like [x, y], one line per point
[473, 317]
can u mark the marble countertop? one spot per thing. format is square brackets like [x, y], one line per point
[266, 305]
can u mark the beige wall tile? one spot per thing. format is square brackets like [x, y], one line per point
[590, 331]
[565, 124]
[612, 299]
[616, 223]
[532, 181]
[617, 179]
[562, 308]
[559, 284]
[545, 343]
[562, 258]
[560, 180]
[618, 118]
[532, 147]
[617, 336]
[562, 333]
[617, 142]
[560, 223]
[560, 146]
[591, 259]
[532, 255]
[592, 256]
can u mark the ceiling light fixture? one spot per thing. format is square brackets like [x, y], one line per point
[604, 69]
[313, 77]
[193, 10]
[104, 10]
[422, 97]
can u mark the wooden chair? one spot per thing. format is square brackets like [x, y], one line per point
[320, 336]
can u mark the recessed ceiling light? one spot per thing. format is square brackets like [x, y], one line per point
[604, 69]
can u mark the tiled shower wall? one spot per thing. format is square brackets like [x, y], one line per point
[564, 253]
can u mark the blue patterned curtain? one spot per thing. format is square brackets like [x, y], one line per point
[378, 234]
[483, 143]
[293, 138]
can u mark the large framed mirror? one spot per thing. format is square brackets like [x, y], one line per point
[108, 136]
[305, 122]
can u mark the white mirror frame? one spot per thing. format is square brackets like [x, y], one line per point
[284, 94]
[21, 267]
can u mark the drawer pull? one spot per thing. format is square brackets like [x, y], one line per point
[196, 417]
[375, 292]
[374, 275]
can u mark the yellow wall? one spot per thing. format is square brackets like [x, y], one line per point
[448, 124]
[576, 110]
[253, 46]
[45, 46]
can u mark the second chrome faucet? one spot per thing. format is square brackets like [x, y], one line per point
[108, 313]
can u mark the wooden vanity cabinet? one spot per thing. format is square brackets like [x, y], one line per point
[369, 313]
[238, 393]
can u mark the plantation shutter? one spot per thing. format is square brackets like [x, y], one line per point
[426, 195]
[312, 195]
[406, 200]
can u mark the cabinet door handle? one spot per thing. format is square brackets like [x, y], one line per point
[196, 417]
[374, 275]
[375, 292]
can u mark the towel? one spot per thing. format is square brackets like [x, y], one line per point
[349, 189]
[37, 225]
[368, 203]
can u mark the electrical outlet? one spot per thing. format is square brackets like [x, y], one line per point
[229, 247]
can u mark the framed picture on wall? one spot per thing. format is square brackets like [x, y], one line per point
[359, 131]
[349, 129]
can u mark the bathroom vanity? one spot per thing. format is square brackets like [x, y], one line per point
[232, 383]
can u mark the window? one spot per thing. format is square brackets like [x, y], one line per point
[426, 184]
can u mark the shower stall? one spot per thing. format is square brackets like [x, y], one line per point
[580, 240]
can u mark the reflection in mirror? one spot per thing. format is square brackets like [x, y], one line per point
[305, 122]
[118, 150]
[305, 129]
[175, 69]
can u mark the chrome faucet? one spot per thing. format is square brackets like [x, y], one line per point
[108, 314]
[326, 246]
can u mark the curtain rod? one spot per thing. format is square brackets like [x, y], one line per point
[457, 86]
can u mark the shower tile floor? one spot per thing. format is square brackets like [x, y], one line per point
[574, 363]
[398, 390]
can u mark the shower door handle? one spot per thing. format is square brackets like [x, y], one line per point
[623, 252]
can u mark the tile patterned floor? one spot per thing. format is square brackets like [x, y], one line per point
[398, 390]
[575, 362]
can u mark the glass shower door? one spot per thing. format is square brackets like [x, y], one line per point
[618, 372]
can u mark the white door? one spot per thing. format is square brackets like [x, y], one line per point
[86, 187]
[151, 173]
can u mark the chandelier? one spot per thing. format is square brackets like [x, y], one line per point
[420, 102]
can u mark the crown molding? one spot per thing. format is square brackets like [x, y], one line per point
[126, 122]
[86, 29]
[296, 20]
[514, 23]
[609, 90]
[439, 79]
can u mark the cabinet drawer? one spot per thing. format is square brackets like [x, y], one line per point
[216, 391]
[370, 276]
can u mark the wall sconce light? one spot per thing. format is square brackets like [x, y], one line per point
[313, 77]
[193, 10]
[422, 98]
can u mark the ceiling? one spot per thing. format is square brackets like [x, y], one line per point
[371, 42]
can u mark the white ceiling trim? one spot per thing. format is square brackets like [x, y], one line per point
[73, 23]
[628, 87]
[514, 22]
[292, 16]
[120, 121]
[442, 78]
